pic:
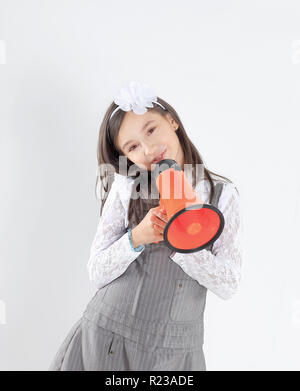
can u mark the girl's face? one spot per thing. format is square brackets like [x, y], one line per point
[142, 138]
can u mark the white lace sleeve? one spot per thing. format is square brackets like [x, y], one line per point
[111, 253]
[219, 270]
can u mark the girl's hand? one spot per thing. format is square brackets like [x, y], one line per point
[151, 228]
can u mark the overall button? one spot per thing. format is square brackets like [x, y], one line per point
[188, 301]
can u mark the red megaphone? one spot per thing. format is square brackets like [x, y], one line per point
[192, 225]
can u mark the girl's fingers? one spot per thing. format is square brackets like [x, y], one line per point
[162, 216]
[157, 221]
[158, 228]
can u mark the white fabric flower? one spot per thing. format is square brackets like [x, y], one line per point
[136, 97]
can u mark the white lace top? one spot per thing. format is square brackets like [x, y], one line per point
[219, 270]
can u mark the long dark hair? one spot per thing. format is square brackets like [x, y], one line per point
[108, 154]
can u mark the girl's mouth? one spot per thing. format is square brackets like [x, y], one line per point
[158, 158]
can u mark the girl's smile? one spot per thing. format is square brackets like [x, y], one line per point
[160, 157]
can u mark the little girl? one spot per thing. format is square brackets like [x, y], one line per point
[148, 311]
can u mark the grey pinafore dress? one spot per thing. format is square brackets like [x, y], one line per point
[151, 318]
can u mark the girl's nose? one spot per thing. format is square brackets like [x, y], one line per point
[148, 151]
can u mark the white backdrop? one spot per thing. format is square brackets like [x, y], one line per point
[231, 69]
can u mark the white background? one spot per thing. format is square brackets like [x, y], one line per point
[231, 69]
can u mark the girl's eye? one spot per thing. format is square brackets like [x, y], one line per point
[130, 149]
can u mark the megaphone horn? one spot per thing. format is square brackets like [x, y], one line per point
[192, 225]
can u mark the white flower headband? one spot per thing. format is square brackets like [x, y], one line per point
[136, 97]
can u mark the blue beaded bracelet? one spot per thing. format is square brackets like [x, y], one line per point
[137, 249]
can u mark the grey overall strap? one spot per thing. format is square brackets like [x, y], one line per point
[215, 200]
